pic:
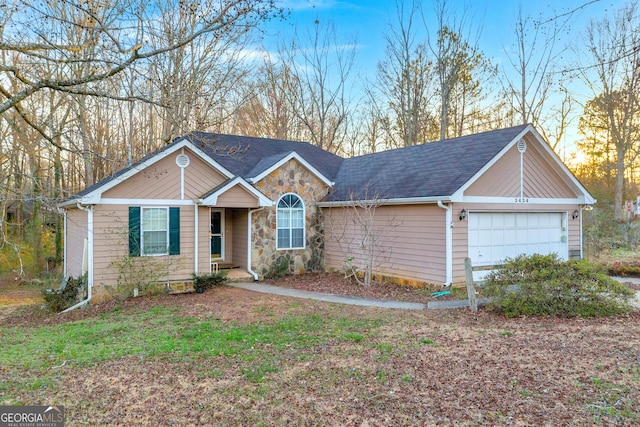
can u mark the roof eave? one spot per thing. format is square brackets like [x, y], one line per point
[386, 202]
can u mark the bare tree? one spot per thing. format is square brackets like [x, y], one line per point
[614, 79]
[269, 112]
[364, 235]
[404, 81]
[320, 67]
[119, 39]
[459, 63]
[533, 60]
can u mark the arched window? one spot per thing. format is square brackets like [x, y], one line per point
[290, 222]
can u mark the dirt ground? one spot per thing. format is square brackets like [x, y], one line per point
[432, 367]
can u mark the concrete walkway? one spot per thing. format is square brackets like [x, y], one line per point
[369, 302]
[341, 299]
[635, 281]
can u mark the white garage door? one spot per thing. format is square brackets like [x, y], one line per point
[496, 236]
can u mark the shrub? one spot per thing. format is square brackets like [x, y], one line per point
[63, 298]
[543, 285]
[625, 269]
[202, 282]
[278, 268]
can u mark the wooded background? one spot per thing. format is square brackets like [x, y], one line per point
[88, 87]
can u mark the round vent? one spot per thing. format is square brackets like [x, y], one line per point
[522, 146]
[182, 160]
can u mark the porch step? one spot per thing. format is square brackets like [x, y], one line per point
[236, 275]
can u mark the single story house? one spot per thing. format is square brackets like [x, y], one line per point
[208, 201]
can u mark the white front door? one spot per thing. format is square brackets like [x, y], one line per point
[494, 236]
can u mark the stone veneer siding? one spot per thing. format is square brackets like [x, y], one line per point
[290, 178]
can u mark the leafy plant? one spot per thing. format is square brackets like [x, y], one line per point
[278, 268]
[202, 282]
[63, 298]
[543, 285]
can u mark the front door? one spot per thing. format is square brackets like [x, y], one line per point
[217, 235]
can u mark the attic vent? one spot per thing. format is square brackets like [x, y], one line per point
[182, 160]
[522, 146]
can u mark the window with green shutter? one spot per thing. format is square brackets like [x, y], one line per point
[154, 231]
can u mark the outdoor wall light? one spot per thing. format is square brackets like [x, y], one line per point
[576, 214]
[463, 215]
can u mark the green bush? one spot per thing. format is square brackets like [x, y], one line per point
[278, 268]
[63, 298]
[543, 285]
[202, 282]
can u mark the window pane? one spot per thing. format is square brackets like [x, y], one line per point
[283, 238]
[297, 218]
[283, 218]
[155, 242]
[297, 238]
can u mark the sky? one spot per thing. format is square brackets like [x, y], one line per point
[368, 20]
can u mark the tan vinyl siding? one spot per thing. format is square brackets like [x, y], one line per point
[228, 237]
[237, 197]
[111, 248]
[162, 180]
[76, 233]
[501, 180]
[540, 179]
[199, 177]
[204, 239]
[239, 219]
[412, 241]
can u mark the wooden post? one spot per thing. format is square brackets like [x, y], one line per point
[471, 289]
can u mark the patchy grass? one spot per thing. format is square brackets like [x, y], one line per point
[232, 357]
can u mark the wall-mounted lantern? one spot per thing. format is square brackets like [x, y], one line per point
[576, 214]
[463, 214]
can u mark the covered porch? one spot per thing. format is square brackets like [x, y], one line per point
[224, 229]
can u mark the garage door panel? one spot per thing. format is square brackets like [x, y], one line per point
[494, 236]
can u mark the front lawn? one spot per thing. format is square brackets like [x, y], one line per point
[232, 357]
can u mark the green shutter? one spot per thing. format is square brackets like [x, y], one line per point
[174, 231]
[134, 231]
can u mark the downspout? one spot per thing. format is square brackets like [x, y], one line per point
[89, 212]
[448, 244]
[64, 243]
[196, 206]
[249, 270]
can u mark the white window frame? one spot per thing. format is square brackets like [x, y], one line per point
[142, 231]
[289, 227]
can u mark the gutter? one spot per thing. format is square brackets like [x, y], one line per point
[249, 270]
[89, 211]
[399, 201]
[449, 243]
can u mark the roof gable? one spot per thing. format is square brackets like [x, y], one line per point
[432, 170]
[250, 157]
[272, 163]
[211, 198]
[545, 154]
[92, 194]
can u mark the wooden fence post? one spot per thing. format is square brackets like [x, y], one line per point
[471, 289]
